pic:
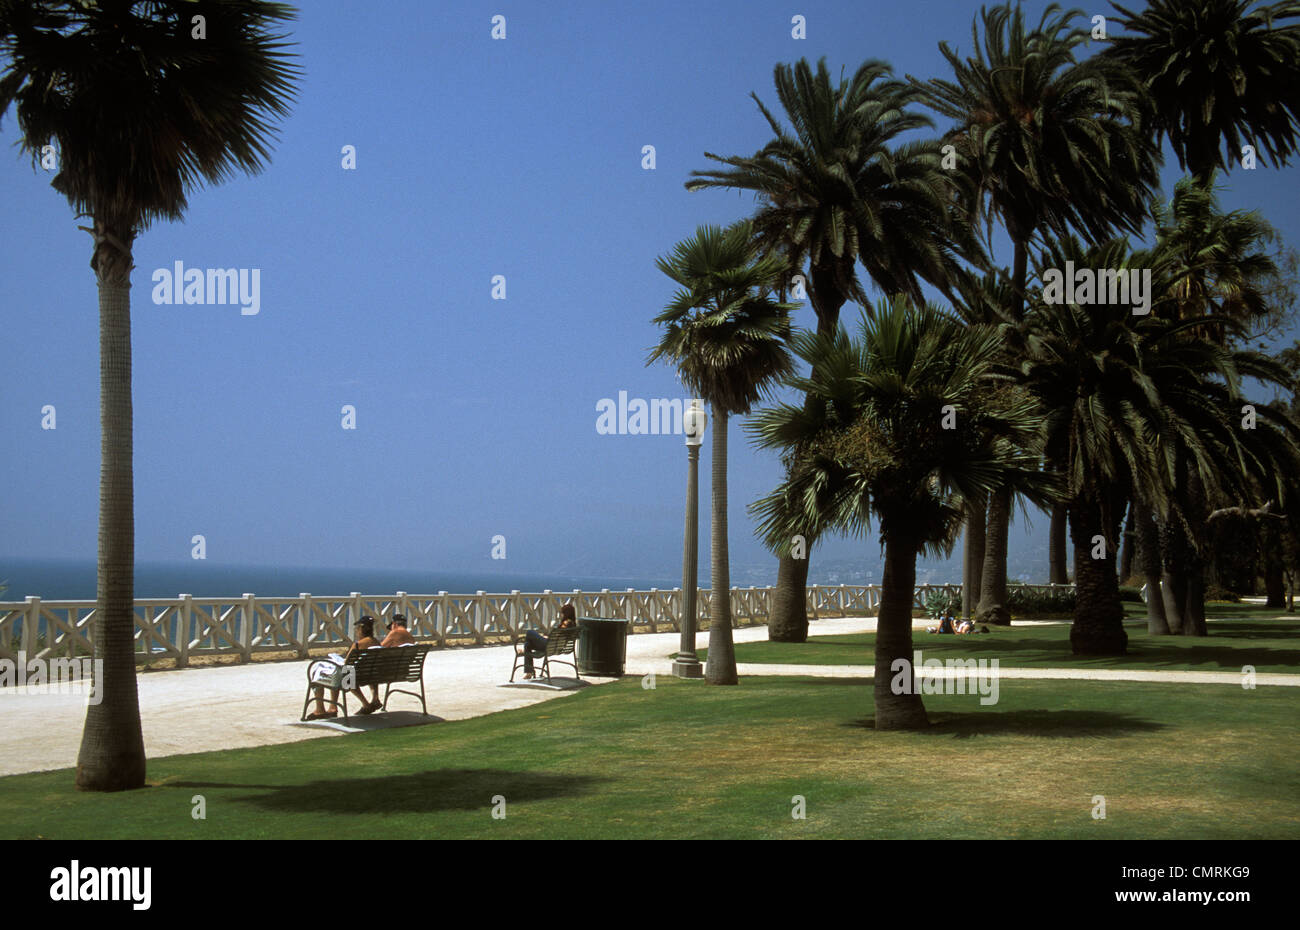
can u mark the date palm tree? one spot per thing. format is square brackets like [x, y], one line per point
[907, 421]
[1049, 143]
[1141, 406]
[837, 188]
[142, 102]
[1209, 263]
[727, 338]
[1221, 74]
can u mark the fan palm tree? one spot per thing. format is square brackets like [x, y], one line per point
[141, 109]
[837, 188]
[1221, 74]
[1049, 143]
[727, 338]
[908, 421]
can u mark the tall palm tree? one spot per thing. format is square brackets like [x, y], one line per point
[877, 444]
[1220, 74]
[985, 300]
[1050, 143]
[835, 188]
[141, 111]
[1207, 263]
[727, 338]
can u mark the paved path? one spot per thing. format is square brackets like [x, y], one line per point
[230, 707]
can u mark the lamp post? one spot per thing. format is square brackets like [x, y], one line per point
[686, 665]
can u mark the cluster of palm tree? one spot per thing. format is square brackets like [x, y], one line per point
[936, 420]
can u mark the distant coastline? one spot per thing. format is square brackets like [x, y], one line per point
[74, 579]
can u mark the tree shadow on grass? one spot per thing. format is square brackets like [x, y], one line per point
[419, 792]
[1054, 724]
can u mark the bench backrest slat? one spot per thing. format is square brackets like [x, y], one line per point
[561, 642]
[389, 664]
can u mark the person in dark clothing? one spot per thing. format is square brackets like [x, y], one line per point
[535, 642]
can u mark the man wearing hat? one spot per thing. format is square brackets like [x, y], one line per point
[397, 633]
[366, 640]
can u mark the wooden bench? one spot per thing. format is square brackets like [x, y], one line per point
[558, 643]
[378, 666]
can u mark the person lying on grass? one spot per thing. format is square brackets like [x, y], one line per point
[535, 642]
[366, 626]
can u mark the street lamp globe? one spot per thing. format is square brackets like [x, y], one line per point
[694, 421]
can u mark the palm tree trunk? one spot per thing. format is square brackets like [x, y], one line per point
[903, 711]
[1098, 627]
[720, 669]
[789, 620]
[1194, 611]
[1148, 555]
[1128, 545]
[1194, 618]
[1274, 583]
[1173, 587]
[112, 744]
[972, 569]
[993, 586]
[1058, 563]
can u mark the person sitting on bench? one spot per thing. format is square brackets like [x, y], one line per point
[397, 636]
[535, 642]
[397, 633]
[366, 625]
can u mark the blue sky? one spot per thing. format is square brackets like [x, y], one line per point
[475, 417]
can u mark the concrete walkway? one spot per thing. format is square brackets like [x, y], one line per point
[235, 706]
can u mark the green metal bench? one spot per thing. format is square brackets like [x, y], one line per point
[388, 666]
[558, 643]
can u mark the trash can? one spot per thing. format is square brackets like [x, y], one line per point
[602, 646]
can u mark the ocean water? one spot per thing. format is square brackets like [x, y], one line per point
[59, 579]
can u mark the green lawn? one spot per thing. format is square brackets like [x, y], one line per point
[686, 759]
[1271, 645]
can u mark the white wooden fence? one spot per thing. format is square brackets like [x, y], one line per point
[186, 626]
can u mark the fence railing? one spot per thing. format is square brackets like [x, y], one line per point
[182, 627]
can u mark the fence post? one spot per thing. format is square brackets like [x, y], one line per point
[248, 613]
[186, 621]
[31, 617]
[306, 616]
